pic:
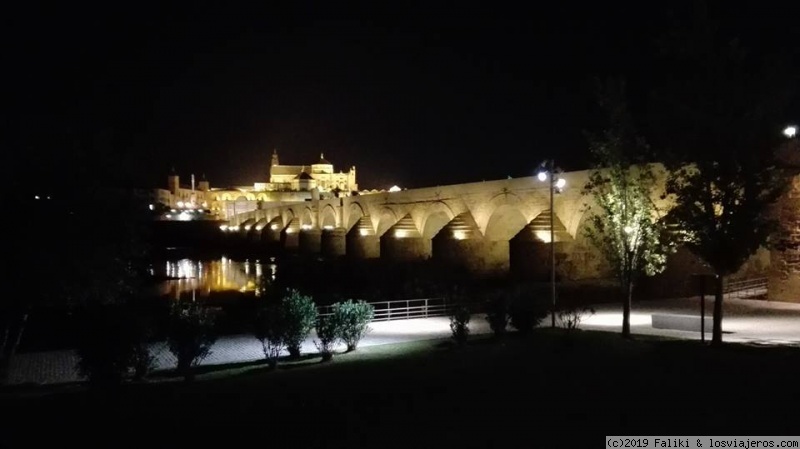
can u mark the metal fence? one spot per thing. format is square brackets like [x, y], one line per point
[747, 288]
[402, 309]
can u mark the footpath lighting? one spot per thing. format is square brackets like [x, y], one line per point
[547, 172]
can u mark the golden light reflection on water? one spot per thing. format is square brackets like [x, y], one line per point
[187, 277]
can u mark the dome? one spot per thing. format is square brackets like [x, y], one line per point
[322, 160]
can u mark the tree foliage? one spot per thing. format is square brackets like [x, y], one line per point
[717, 122]
[190, 335]
[626, 224]
[352, 319]
[328, 333]
[299, 316]
[269, 330]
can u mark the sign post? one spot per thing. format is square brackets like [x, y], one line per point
[703, 283]
[703, 312]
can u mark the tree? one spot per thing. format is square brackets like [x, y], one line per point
[626, 225]
[190, 335]
[716, 121]
[299, 316]
[81, 248]
[269, 330]
[352, 320]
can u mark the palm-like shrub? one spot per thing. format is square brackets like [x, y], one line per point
[353, 320]
[190, 335]
[299, 316]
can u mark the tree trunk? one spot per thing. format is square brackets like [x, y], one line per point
[8, 351]
[18, 338]
[716, 337]
[626, 310]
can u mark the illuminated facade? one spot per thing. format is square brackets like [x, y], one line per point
[319, 175]
[286, 183]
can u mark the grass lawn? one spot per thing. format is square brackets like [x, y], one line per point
[544, 390]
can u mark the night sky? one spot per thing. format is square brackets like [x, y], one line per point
[414, 96]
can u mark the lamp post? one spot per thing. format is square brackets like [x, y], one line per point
[790, 131]
[548, 174]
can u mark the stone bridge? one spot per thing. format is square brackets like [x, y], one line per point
[486, 227]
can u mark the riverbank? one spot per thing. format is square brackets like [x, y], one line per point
[551, 389]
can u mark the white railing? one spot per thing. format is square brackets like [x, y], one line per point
[747, 288]
[404, 309]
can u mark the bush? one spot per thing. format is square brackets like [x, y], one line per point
[352, 319]
[104, 348]
[114, 340]
[299, 316]
[497, 315]
[526, 313]
[459, 324]
[328, 331]
[270, 332]
[190, 335]
[571, 315]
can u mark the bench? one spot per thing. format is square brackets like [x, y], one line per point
[689, 323]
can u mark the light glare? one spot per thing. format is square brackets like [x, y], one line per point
[790, 131]
[560, 183]
[542, 176]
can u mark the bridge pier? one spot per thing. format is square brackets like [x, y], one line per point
[531, 259]
[333, 242]
[478, 256]
[309, 241]
[404, 242]
[361, 241]
[271, 236]
[403, 249]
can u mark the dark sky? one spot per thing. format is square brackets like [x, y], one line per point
[413, 96]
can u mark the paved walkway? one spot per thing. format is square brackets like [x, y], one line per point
[749, 321]
[53, 367]
[744, 320]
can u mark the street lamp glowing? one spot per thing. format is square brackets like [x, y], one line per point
[790, 131]
[542, 176]
[560, 183]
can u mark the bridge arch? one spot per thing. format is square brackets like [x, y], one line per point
[504, 223]
[354, 213]
[433, 218]
[288, 215]
[386, 219]
[306, 217]
[327, 217]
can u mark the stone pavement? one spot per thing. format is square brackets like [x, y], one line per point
[747, 321]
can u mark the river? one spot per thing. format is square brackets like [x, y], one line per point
[200, 279]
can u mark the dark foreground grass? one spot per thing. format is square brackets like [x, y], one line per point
[545, 390]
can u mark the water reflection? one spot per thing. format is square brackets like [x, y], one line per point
[201, 278]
